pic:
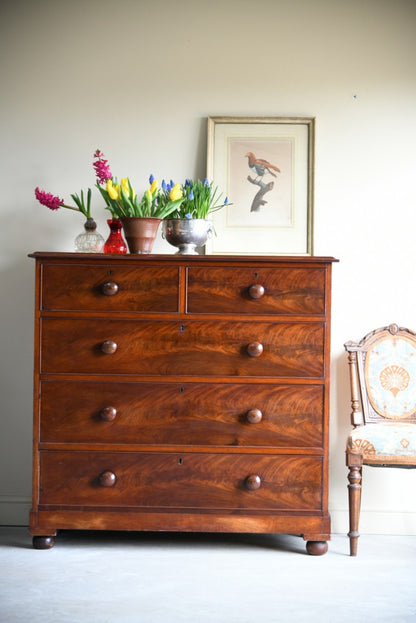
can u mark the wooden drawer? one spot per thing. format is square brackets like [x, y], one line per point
[299, 291]
[110, 287]
[182, 414]
[211, 348]
[181, 481]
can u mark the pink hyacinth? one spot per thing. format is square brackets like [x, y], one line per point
[47, 199]
[102, 169]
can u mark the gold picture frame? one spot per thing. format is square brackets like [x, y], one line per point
[265, 166]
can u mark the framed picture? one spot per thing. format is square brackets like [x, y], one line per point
[265, 166]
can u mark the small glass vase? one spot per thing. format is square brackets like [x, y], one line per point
[115, 241]
[90, 241]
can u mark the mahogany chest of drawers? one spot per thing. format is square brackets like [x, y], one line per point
[183, 393]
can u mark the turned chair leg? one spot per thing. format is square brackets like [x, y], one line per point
[354, 499]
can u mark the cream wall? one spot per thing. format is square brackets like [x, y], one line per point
[138, 79]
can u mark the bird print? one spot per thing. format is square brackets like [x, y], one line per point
[260, 166]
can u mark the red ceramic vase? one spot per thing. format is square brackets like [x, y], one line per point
[115, 242]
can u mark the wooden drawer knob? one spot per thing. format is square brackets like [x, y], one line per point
[107, 479]
[253, 482]
[254, 349]
[109, 347]
[108, 414]
[109, 288]
[254, 416]
[256, 291]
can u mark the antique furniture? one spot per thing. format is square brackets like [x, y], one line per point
[182, 393]
[383, 397]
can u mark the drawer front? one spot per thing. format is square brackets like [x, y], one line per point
[191, 348]
[182, 414]
[299, 291]
[111, 287]
[173, 480]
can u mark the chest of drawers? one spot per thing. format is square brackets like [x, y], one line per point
[183, 393]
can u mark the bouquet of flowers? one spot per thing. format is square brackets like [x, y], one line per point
[121, 198]
[200, 200]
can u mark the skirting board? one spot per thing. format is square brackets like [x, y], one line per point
[376, 522]
[15, 512]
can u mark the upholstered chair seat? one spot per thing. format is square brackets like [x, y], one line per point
[386, 443]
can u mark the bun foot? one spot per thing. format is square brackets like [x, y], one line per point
[316, 548]
[43, 542]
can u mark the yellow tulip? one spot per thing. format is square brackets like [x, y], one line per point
[125, 185]
[153, 186]
[113, 191]
[148, 195]
[176, 192]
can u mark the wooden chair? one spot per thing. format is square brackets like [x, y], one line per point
[383, 397]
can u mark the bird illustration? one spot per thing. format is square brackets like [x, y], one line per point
[260, 166]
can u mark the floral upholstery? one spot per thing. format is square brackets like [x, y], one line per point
[390, 376]
[385, 443]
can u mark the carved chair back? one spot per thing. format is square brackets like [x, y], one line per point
[383, 376]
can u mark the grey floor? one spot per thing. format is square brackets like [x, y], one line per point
[178, 578]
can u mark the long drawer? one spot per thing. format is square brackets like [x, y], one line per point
[110, 287]
[256, 290]
[181, 481]
[182, 414]
[210, 348]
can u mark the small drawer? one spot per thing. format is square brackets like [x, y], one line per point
[286, 291]
[203, 414]
[113, 287]
[181, 481]
[192, 348]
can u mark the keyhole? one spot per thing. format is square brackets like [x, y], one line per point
[180, 461]
[181, 389]
[256, 275]
[182, 327]
[110, 272]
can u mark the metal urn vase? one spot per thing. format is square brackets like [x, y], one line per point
[187, 234]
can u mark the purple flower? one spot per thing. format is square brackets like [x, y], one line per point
[151, 179]
[191, 194]
[47, 199]
[189, 215]
[102, 170]
[164, 186]
[206, 182]
[226, 201]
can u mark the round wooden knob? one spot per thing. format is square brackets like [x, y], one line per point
[254, 349]
[109, 288]
[256, 291]
[109, 347]
[253, 482]
[108, 414]
[254, 416]
[107, 479]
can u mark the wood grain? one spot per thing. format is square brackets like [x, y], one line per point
[200, 414]
[211, 348]
[80, 287]
[185, 480]
[297, 291]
